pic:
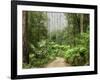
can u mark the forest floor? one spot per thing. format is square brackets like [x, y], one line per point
[58, 62]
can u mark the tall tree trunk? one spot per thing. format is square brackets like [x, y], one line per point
[81, 23]
[25, 38]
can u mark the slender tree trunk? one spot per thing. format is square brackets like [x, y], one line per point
[81, 23]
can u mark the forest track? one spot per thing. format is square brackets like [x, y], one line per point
[58, 62]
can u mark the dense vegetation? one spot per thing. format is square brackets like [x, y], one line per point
[41, 47]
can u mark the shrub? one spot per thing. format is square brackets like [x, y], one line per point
[76, 56]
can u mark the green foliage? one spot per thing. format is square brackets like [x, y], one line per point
[79, 55]
[46, 52]
[76, 56]
[36, 29]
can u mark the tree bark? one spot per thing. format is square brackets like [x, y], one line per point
[25, 37]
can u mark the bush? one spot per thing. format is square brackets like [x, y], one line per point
[76, 56]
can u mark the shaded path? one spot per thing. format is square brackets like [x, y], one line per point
[58, 62]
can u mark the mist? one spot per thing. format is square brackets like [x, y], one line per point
[56, 21]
